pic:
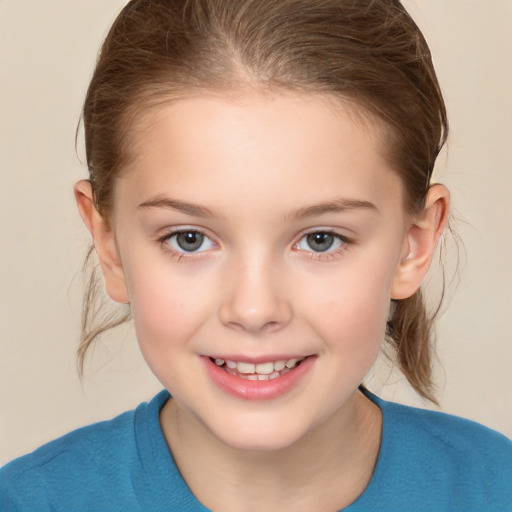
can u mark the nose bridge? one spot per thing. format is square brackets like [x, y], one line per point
[256, 298]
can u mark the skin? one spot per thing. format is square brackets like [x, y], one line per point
[255, 288]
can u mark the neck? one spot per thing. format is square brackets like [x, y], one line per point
[325, 470]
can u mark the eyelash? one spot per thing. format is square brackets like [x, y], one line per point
[328, 255]
[163, 241]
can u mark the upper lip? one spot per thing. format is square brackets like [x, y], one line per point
[258, 359]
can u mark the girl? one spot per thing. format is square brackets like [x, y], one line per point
[260, 195]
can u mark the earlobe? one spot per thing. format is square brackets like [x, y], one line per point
[422, 237]
[104, 243]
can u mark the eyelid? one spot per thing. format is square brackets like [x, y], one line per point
[328, 254]
[326, 230]
[163, 239]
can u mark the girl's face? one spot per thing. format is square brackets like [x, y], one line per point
[252, 233]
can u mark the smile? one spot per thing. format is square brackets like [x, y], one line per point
[261, 371]
[258, 380]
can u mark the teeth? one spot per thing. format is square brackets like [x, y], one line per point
[246, 367]
[279, 365]
[264, 368]
[269, 370]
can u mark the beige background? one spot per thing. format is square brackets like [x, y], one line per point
[48, 49]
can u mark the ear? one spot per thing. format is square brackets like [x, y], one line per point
[422, 237]
[104, 243]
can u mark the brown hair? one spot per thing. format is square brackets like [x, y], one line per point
[369, 52]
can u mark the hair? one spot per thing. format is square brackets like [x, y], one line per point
[367, 52]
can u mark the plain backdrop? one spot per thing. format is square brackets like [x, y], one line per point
[47, 53]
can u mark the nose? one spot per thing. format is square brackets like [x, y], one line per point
[256, 298]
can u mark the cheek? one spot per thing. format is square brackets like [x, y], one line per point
[167, 307]
[352, 310]
[167, 311]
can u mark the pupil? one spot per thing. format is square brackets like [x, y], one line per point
[190, 240]
[320, 241]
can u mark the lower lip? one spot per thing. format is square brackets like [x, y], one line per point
[257, 389]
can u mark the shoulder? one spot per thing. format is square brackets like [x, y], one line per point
[90, 460]
[460, 438]
[81, 455]
[448, 461]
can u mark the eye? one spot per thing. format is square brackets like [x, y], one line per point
[321, 241]
[189, 241]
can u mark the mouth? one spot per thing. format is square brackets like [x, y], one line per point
[269, 370]
[261, 380]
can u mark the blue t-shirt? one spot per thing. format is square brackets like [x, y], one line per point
[428, 461]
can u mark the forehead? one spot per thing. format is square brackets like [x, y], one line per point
[250, 110]
[263, 145]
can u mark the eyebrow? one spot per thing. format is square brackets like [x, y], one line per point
[338, 205]
[181, 206]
